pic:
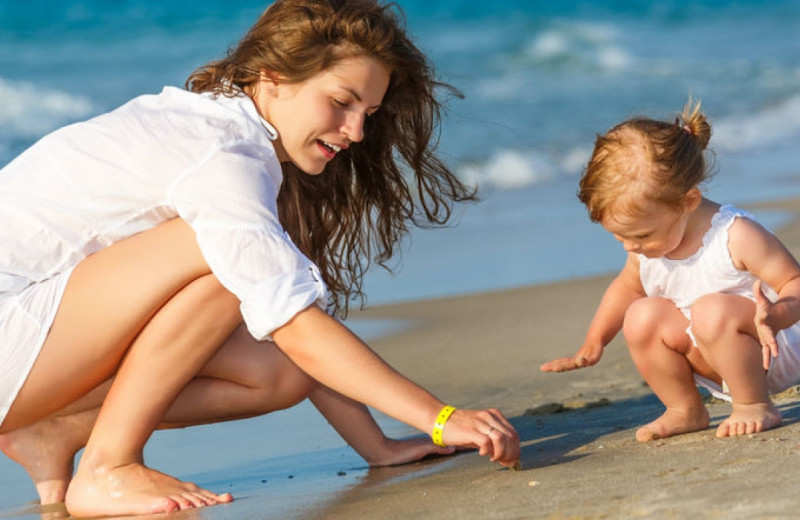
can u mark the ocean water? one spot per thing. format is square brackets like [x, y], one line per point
[540, 79]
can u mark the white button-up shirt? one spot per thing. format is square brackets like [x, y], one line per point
[201, 157]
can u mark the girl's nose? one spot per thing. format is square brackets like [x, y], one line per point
[630, 245]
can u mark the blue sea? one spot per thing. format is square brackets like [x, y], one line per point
[540, 79]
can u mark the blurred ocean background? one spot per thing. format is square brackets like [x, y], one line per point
[541, 79]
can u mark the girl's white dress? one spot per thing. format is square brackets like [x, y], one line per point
[711, 270]
[205, 158]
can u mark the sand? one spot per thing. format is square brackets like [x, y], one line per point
[582, 462]
[579, 454]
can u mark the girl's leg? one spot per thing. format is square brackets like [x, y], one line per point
[152, 300]
[655, 332]
[726, 335]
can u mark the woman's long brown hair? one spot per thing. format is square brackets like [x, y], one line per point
[360, 207]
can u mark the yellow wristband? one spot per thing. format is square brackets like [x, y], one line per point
[438, 426]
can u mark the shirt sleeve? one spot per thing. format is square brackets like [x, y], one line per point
[229, 200]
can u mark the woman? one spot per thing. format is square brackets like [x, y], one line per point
[185, 248]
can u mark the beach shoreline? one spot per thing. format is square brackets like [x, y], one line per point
[579, 454]
[580, 458]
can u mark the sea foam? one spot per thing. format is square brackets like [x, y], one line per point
[28, 111]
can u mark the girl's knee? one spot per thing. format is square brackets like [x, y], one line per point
[716, 316]
[643, 319]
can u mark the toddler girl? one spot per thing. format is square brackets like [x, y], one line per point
[706, 297]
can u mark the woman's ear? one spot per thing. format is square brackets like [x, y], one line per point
[270, 82]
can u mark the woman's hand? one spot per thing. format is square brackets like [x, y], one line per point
[766, 334]
[403, 451]
[488, 431]
[587, 356]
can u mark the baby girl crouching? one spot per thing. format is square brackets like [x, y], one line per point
[707, 296]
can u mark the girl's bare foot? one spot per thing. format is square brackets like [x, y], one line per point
[750, 418]
[133, 489]
[674, 422]
[46, 449]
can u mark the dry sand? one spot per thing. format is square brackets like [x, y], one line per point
[579, 454]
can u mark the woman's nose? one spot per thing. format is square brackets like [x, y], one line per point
[354, 127]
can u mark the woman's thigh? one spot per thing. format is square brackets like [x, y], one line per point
[108, 300]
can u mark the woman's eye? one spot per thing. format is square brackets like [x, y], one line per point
[340, 103]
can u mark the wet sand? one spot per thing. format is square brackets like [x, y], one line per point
[579, 454]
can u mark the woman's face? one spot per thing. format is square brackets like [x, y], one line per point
[323, 115]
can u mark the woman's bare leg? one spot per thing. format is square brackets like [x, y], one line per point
[245, 378]
[655, 332]
[725, 331]
[150, 300]
[46, 449]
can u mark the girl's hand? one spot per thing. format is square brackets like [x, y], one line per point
[586, 357]
[403, 451]
[766, 334]
[488, 431]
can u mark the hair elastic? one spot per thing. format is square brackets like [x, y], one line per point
[438, 425]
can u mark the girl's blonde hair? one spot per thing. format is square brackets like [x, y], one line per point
[643, 161]
[360, 207]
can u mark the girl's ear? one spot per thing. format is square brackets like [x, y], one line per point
[692, 199]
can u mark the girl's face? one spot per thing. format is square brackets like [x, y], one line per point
[319, 117]
[660, 231]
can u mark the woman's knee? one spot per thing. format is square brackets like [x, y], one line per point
[283, 385]
[274, 381]
[296, 386]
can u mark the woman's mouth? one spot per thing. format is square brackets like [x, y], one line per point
[329, 149]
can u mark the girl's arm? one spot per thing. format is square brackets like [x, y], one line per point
[353, 421]
[755, 249]
[328, 352]
[607, 322]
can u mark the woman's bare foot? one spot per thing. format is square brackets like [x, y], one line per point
[46, 449]
[750, 418]
[133, 489]
[674, 422]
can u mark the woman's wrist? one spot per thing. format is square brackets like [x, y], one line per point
[437, 432]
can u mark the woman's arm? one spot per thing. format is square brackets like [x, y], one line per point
[353, 421]
[327, 351]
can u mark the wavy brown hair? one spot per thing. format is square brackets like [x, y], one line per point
[643, 160]
[359, 209]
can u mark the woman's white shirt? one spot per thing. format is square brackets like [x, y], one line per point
[204, 158]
